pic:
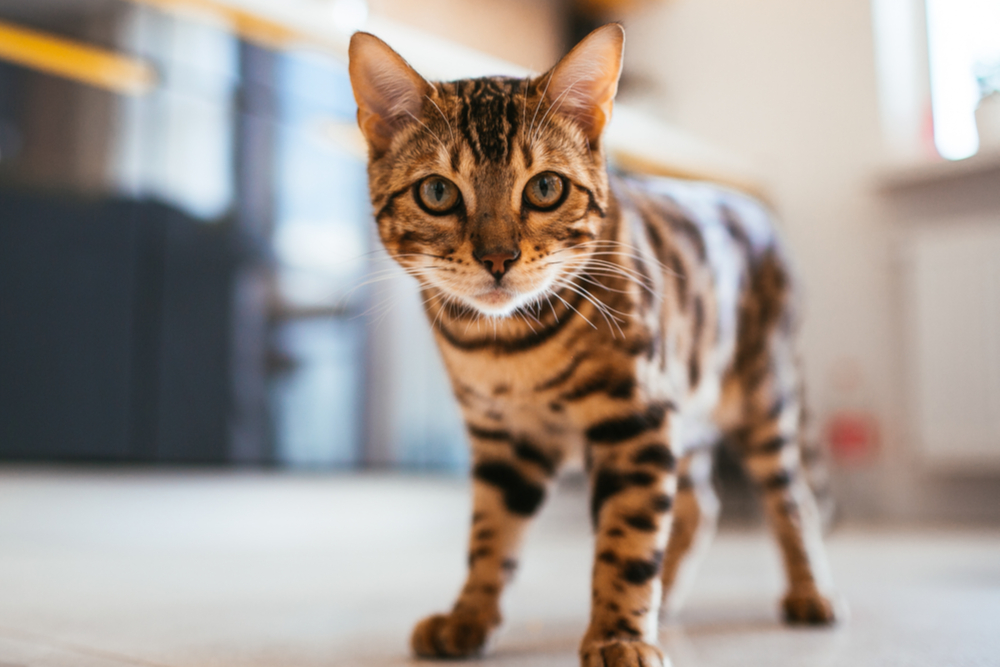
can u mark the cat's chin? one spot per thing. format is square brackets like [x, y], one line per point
[499, 302]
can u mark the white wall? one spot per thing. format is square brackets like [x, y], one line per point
[524, 32]
[791, 85]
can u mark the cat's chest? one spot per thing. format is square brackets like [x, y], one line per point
[500, 382]
[508, 391]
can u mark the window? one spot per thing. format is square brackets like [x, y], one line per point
[964, 41]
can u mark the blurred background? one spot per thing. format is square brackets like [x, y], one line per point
[225, 434]
[186, 243]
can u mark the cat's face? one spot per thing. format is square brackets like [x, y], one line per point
[492, 191]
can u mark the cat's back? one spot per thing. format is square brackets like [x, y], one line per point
[709, 216]
[726, 287]
[701, 227]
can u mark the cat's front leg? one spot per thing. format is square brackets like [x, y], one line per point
[511, 476]
[633, 484]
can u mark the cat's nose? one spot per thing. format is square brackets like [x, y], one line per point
[498, 261]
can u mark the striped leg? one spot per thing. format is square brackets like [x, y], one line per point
[510, 479]
[696, 511]
[771, 453]
[632, 490]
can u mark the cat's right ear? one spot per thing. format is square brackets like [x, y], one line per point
[389, 93]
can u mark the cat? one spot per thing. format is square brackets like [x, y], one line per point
[634, 320]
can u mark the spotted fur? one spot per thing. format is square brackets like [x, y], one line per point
[635, 323]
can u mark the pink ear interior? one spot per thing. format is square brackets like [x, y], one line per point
[388, 91]
[583, 84]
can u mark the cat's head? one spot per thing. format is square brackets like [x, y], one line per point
[494, 191]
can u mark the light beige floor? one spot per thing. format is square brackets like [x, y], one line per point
[179, 569]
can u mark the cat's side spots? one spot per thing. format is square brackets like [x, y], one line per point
[521, 496]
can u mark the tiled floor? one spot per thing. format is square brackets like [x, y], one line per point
[178, 569]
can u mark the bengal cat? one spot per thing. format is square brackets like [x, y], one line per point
[633, 320]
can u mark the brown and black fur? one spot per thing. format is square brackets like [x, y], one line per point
[640, 322]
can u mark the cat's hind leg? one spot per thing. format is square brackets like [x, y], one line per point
[770, 445]
[768, 434]
[696, 512]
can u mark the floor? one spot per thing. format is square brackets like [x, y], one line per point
[196, 569]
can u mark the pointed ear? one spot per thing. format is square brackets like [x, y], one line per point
[583, 84]
[389, 93]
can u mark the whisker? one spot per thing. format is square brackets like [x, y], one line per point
[477, 322]
[446, 121]
[525, 320]
[383, 308]
[525, 313]
[603, 309]
[548, 300]
[607, 269]
[570, 306]
[432, 133]
[383, 275]
[535, 115]
[614, 266]
[622, 271]
[554, 106]
[441, 306]
[597, 283]
[632, 252]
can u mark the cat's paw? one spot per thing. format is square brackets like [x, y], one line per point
[622, 653]
[809, 608]
[449, 636]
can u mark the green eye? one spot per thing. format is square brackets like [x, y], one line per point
[438, 195]
[545, 191]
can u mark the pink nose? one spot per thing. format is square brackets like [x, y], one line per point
[497, 263]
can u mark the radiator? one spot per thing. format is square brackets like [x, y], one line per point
[951, 281]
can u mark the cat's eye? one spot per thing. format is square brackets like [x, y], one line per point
[545, 191]
[438, 195]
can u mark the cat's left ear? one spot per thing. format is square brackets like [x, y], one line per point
[583, 84]
[390, 93]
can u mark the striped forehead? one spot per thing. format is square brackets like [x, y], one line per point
[488, 113]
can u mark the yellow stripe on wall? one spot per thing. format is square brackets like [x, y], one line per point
[246, 24]
[75, 60]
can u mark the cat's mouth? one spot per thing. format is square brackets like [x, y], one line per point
[501, 300]
[498, 298]
[496, 301]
